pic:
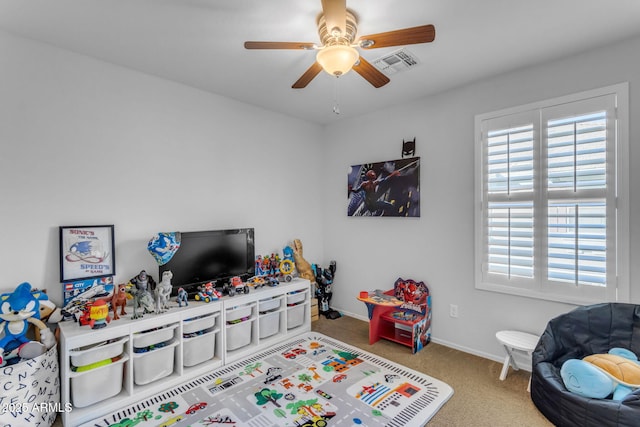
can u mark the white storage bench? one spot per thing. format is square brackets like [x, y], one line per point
[180, 344]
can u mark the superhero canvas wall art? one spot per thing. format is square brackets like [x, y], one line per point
[390, 188]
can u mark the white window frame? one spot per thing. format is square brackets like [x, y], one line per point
[618, 248]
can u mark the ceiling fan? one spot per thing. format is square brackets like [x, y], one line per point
[337, 54]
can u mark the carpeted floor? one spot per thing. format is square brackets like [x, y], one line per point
[479, 399]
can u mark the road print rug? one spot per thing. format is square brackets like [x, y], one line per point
[310, 380]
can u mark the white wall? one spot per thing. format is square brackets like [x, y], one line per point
[83, 142]
[438, 247]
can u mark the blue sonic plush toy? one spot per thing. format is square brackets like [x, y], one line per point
[17, 310]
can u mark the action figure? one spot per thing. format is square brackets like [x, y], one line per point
[324, 282]
[182, 297]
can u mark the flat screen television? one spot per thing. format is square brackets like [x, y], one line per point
[214, 255]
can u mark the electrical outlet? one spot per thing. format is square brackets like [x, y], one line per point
[453, 310]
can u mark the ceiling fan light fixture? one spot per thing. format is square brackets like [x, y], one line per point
[337, 59]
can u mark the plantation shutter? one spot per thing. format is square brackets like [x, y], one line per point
[548, 199]
[579, 152]
[509, 188]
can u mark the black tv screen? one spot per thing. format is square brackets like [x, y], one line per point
[215, 255]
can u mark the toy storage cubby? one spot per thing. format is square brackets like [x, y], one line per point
[148, 355]
[178, 345]
[259, 319]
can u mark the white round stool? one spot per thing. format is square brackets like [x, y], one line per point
[515, 340]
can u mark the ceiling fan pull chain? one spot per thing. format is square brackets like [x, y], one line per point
[336, 101]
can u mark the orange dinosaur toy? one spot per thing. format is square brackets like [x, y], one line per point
[119, 299]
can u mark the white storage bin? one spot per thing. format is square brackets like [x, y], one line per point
[269, 324]
[97, 384]
[198, 349]
[153, 336]
[196, 324]
[296, 297]
[154, 364]
[295, 316]
[237, 313]
[268, 304]
[97, 352]
[238, 335]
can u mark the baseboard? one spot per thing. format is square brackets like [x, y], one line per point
[496, 358]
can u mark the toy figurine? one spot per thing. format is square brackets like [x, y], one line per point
[182, 297]
[324, 282]
[259, 270]
[287, 265]
[119, 299]
[142, 300]
[96, 314]
[19, 309]
[302, 265]
[274, 265]
[163, 292]
[144, 282]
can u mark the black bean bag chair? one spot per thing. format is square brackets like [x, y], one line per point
[574, 335]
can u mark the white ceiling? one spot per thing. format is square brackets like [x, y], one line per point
[200, 42]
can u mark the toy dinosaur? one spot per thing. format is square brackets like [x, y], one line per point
[142, 300]
[119, 299]
[302, 265]
[163, 292]
[17, 310]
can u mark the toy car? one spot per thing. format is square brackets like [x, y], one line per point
[291, 354]
[236, 287]
[207, 293]
[257, 281]
[172, 421]
[195, 407]
[338, 378]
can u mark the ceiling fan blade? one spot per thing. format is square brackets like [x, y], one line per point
[370, 73]
[335, 14]
[308, 75]
[414, 35]
[278, 45]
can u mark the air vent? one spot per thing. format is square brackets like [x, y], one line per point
[395, 62]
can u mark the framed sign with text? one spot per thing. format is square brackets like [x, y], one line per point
[86, 252]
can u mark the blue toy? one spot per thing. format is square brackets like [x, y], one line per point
[601, 375]
[182, 297]
[17, 310]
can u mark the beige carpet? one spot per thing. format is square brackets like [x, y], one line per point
[479, 399]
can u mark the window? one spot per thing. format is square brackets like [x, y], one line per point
[552, 217]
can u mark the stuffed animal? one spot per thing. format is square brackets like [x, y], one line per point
[17, 310]
[598, 376]
[49, 313]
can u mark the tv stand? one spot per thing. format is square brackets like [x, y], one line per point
[235, 327]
